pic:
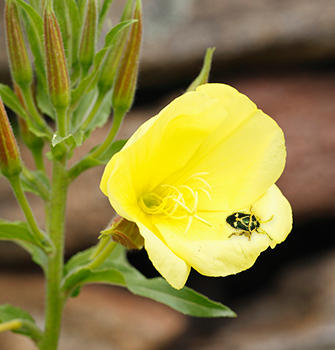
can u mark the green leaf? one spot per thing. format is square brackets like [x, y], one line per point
[83, 109]
[14, 231]
[37, 254]
[28, 328]
[63, 17]
[76, 272]
[12, 102]
[76, 22]
[34, 28]
[90, 162]
[113, 148]
[43, 101]
[19, 233]
[33, 14]
[186, 300]
[101, 114]
[103, 12]
[36, 182]
[117, 271]
[70, 141]
[203, 76]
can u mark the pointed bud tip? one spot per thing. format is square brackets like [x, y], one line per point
[10, 163]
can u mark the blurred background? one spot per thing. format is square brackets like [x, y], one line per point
[282, 55]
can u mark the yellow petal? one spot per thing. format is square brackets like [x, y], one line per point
[215, 251]
[165, 143]
[274, 208]
[169, 265]
[240, 166]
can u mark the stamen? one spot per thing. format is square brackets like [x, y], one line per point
[178, 202]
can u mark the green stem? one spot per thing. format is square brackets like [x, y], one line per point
[86, 162]
[22, 200]
[37, 153]
[62, 121]
[34, 113]
[104, 254]
[93, 112]
[56, 219]
[117, 119]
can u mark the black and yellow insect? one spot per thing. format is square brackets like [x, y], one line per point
[246, 224]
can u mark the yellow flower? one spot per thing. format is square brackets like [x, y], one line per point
[198, 180]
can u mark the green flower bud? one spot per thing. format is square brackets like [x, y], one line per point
[125, 85]
[17, 52]
[88, 35]
[125, 232]
[57, 73]
[112, 61]
[10, 163]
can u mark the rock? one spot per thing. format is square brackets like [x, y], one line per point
[296, 314]
[104, 318]
[176, 34]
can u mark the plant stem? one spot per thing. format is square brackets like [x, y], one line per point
[22, 200]
[62, 121]
[117, 119]
[37, 153]
[104, 254]
[83, 164]
[29, 100]
[56, 219]
[93, 112]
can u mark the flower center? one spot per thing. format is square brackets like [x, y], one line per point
[177, 202]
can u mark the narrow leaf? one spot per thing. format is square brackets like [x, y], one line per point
[11, 101]
[203, 76]
[116, 270]
[103, 12]
[186, 300]
[19, 233]
[13, 231]
[28, 326]
[36, 182]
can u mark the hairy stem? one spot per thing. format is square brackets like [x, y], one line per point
[56, 219]
[23, 202]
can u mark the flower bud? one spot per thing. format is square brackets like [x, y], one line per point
[17, 52]
[88, 35]
[125, 232]
[111, 64]
[10, 163]
[57, 73]
[125, 84]
[29, 138]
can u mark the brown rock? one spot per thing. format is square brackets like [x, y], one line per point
[176, 33]
[298, 314]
